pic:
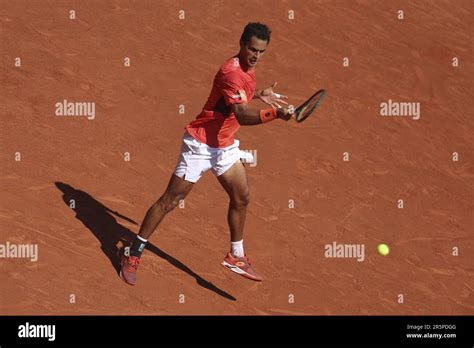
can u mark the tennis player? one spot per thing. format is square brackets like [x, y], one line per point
[208, 143]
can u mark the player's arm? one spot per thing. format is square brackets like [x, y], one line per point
[232, 89]
[249, 117]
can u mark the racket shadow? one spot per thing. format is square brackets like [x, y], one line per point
[101, 221]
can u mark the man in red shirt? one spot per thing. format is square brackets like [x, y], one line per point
[208, 143]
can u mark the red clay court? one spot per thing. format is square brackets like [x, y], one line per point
[344, 169]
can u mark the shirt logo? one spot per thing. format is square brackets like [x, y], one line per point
[240, 96]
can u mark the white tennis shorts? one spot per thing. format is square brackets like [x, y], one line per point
[196, 158]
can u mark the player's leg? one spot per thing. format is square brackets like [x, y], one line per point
[190, 167]
[194, 160]
[235, 183]
[177, 189]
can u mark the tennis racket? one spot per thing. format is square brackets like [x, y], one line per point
[303, 111]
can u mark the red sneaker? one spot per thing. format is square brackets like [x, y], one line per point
[129, 266]
[242, 266]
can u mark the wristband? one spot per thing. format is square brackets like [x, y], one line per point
[267, 115]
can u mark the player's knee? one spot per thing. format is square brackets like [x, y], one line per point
[242, 201]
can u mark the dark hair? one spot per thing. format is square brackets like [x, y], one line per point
[261, 31]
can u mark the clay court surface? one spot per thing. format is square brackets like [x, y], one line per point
[173, 62]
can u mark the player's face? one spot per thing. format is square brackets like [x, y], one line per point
[252, 51]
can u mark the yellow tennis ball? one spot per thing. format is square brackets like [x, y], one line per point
[383, 249]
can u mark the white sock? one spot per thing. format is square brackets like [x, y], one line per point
[142, 239]
[237, 248]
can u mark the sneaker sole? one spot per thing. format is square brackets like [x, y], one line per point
[125, 280]
[237, 270]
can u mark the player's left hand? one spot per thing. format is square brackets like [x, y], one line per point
[269, 97]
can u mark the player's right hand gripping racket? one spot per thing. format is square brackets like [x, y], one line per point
[303, 111]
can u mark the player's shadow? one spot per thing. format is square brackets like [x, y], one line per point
[101, 222]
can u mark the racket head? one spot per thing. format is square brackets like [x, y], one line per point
[303, 111]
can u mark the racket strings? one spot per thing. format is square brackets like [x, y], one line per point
[308, 107]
